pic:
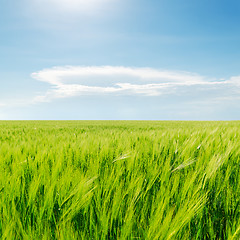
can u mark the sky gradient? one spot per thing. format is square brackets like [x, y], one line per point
[120, 59]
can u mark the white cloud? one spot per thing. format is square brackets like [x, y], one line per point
[57, 74]
[235, 80]
[70, 81]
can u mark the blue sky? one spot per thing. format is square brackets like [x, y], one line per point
[120, 59]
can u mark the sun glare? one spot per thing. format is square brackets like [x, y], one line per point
[75, 5]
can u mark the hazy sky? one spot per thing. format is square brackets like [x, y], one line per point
[120, 59]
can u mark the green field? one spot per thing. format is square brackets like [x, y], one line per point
[119, 180]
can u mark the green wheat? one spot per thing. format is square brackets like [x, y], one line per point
[119, 180]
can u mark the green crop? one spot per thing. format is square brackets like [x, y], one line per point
[119, 180]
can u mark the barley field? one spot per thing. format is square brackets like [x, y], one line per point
[119, 180]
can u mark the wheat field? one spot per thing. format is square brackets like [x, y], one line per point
[119, 180]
